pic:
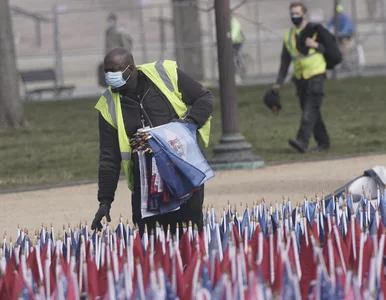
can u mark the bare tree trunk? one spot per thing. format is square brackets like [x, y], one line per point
[187, 32]
[372, 8]
[11, 106]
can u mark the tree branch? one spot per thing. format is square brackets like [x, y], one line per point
[196, 6]
[239, 5]
[212, 6]
[259, 24]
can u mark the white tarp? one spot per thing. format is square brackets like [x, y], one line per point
[367, 184]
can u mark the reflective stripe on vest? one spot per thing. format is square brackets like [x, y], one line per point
[111, 106]
[125, 155]
[159, 66]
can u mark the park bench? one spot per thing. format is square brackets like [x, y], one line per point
[43, 75]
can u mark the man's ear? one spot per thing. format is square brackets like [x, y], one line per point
[131, 68]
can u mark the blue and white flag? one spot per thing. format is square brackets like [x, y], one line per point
[178, 142]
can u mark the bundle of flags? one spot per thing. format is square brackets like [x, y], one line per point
[311, 250]
[171, 166]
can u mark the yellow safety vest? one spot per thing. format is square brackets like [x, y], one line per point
[305, 66]
[164, 75]
[237, 35]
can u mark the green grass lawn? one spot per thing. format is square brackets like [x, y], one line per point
[61, 143]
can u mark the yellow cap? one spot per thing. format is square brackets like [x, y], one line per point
[339, 8]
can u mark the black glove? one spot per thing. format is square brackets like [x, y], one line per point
[272, 100]
[186, 120]
[103, 211]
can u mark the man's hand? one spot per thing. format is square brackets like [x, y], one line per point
[103, 211]
[276, 110]
[276, 87]
[311, 43]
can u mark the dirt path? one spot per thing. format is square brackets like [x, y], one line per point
[72, 204]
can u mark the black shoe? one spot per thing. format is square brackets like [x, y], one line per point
[298, 145]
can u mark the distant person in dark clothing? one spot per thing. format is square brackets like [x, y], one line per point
[309, 75]
[114, 38]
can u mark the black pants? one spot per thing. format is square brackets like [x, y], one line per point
[189, 211]
[310, 93]
[236, 48]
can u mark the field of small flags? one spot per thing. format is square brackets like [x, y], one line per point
[314, 249]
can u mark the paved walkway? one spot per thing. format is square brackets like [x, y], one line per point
[73, 204]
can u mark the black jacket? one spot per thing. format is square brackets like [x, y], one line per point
[157, 110]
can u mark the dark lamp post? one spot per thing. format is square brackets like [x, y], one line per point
[233, 151]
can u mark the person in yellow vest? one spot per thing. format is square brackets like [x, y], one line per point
[237, 35]
[151, 94]
[309, 74]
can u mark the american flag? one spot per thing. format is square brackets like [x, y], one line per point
[255, 252]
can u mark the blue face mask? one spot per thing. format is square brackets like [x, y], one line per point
[115, 79]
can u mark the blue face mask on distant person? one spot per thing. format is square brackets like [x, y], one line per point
[115, 79]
